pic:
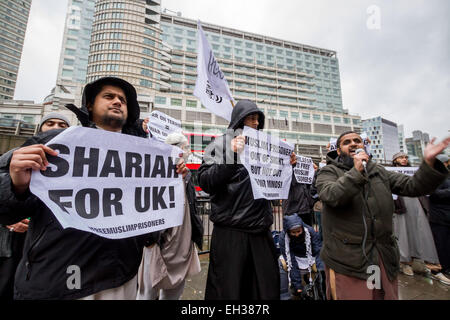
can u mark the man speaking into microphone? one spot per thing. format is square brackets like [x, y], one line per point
[359, 248]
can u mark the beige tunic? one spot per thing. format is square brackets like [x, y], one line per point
[166, 267]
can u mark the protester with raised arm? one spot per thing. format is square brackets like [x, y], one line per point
[359, 249]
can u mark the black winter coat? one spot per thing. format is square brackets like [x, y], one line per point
[50, 251]
[196, 222]
[440, 204]
[299, 199]
[228, 182]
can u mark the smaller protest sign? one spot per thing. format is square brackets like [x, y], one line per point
[410, 171]
[267, 160]
[366, 142]
[161, 125]
[304, 170]
[333, 144]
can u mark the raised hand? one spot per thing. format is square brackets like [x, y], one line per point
[237, 144]
[432, 150]
[181, 167]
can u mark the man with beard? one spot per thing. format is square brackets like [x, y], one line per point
[107, 269]
[412, 229]
[359, 250]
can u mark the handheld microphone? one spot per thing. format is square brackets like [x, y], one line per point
[359, 151]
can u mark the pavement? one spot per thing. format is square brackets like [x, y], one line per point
[415, 287]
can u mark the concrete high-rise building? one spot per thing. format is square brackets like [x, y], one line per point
[416, 145]
[126, 42]
[73, 59]
[13, 24]
[384, 138]
[401, 138]
[297, 86]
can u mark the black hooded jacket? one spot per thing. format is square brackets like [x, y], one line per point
[50, 251]
[299, 200]
[228, 182]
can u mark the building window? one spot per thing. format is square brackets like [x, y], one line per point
[284, 114]
[176, 102]
[146, 83]
[160, 100]
[28, 119]
[191, 103]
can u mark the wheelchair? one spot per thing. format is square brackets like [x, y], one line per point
[314, 290]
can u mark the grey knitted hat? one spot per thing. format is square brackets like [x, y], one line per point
[53, 115]
[399, 154]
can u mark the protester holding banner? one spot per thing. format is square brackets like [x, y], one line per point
[13, 236]
[243, 261]
[166, 265]
[359, 249]
[412, 229]
[67, 263]
[300, 200]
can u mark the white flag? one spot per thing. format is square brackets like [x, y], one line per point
[211, 86]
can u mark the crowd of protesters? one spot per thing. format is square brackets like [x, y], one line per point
[355, 215]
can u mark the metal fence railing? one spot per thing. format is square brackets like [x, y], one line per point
[204, 210]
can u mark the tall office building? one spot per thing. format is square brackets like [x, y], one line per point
[126, 42]
[73, 59]
[384, 138]
[297, 86]
[416, 146]
[13, 24]
[401, 138]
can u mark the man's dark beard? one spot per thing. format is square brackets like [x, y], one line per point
[113, 122]
[346, 160]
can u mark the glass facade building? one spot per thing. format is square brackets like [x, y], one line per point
[384, 138]
[76, 42]
[13, 24]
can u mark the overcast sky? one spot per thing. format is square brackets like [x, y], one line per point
[394, 55]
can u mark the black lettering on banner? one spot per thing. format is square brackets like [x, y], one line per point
[255, 169]
[142, 203]
[112, 165]
[133, 161]
[80, 161]
[147, 166]
[109, 201]
[171, 197]
[80, 203]
[138, 199]
[171, 168]
[62, 166]
[159, 167]
[158, 198]
[56, 195]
